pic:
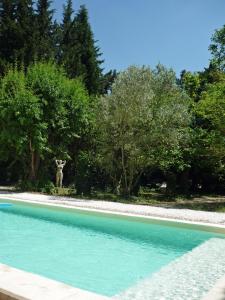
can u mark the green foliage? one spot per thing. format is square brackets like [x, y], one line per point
[144, 123]
[25, 54]
[20, 124]
[28, 34]
[23, 113]
[217, 48]
[210, 136]
[65, 107]
[48, 187]
[212, 106]
[204, 156]
[107, 81]
[44, 30]
[211, 75]
[43, 113]
[66, 26]
[190, 82]
[79, 54]
[8, 33]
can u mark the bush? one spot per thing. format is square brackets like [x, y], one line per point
[48, 188]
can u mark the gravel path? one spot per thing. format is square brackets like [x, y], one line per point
[142, 210]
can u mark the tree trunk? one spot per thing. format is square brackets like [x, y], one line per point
[32, 170]
[184, 182]
[125, 187]
[34, 164]
[171, 182]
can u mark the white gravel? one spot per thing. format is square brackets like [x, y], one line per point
[142, 210]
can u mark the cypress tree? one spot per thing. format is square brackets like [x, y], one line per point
[26, 32]
[44, 30]
[66, 38]
[87, 64]
[67, 15]
[79, 55]
[8, 33]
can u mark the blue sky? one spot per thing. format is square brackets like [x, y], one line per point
[175, 33]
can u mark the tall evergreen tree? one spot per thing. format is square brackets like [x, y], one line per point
[79, 55]
[26, 32]
[88, 62]
[67, 14]
[66, 37]
[45, 30]
[8, 33]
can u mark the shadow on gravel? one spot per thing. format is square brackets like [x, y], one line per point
[207, 206]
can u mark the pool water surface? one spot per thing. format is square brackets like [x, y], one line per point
[96, 252]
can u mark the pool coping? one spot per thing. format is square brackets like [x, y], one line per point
[218, 290]
[20, 285]
[167, 221]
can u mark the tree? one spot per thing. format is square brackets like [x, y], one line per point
[212, 107]
[80, 56]
[211, 75]
[67, 16]
[190, 82]
[210, 138]
[107, 81]
[44, 30]
[89, 53]
[66, 38]
[25, 53]
[217, 48]
[8, 34]
[23, 135]
[43, 114]
[203, 154]
[143, 123]
[63, 103]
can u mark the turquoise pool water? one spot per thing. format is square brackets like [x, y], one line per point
[95, 252]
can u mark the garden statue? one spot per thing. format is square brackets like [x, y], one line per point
[59, 174]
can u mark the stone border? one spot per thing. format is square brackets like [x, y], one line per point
[217, 292]
[121, 212]
[20, 285]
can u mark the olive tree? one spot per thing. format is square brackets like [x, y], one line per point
[143, 123]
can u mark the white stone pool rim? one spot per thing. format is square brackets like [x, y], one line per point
[21, 285]
[69, 203]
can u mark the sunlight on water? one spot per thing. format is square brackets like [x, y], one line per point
[99, 253]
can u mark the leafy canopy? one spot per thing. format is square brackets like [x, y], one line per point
[143, 123]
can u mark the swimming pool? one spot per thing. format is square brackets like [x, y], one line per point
[102, 253]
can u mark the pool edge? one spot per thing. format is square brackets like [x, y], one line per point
[20, 285]
[217, 292]
[205, 226]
